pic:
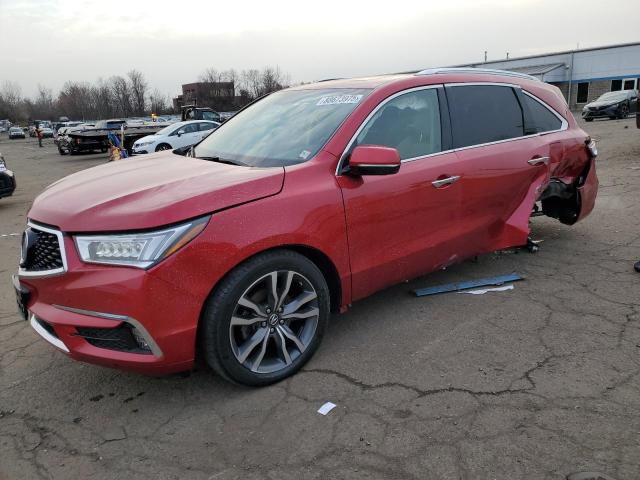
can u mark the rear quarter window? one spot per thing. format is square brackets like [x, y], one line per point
[537, 117]
[483, 114]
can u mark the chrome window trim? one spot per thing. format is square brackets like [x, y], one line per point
[563, 127]
[56, 342]
[46, 273]
[155, 349]
[372, 113]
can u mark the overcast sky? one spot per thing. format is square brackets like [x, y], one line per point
[50, 41]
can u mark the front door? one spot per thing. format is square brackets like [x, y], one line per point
[405, 224]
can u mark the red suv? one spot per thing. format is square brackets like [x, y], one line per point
[307, 200]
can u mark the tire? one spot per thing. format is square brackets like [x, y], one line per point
[61, 150]
[623, 112]
[163, 146]
[260, 348]
[103, 150]
[588, 119]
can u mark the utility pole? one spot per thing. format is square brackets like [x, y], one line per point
[485, 56]
[507, 55]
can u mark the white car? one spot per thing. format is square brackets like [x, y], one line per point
[176, 135]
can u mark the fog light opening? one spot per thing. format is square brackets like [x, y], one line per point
[140, 340]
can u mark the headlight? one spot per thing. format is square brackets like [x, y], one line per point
[141, 250]
[3, 166]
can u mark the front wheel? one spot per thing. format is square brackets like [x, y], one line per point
[623, 112]
[163, 146]
[266, 318]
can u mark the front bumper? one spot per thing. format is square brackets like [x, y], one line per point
[611, 111]
[140, 150]
[93, 314]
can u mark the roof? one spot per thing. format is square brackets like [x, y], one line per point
[563, 52]
[537, 69]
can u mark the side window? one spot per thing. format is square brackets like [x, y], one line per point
[204, 126]
[210, 116]
[483, 114]
[192, 127]
[537, 117]
[409, 123]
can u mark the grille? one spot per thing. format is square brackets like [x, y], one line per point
[120, 338]
[43, 251]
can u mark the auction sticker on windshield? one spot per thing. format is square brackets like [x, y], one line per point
[339, 99]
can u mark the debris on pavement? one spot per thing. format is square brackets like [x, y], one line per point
[326, 408]
[485, 290]
[588, 476]
[468, 285]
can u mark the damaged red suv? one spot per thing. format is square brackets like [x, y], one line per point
[307, 200]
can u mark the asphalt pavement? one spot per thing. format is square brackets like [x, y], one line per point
[531, 383]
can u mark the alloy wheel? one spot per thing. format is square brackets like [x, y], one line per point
[274, 321]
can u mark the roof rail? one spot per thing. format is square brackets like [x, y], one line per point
[478, 71]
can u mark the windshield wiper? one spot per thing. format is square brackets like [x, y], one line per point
[223, 160]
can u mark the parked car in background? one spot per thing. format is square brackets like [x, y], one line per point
[46, 132]
[307, 200]
[176, 135]
[16, 132]
[7, 179]
[111, 124]
[612, 105]
[72, 146]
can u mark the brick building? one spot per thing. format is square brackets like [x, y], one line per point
[218, 95]
[583, 74]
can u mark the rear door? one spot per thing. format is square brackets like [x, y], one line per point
[405, 224]
[506, 164]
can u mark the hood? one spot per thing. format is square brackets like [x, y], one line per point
[150, 191]
[147, 138]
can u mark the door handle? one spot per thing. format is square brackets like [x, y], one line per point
[445, 181]
[539, 161]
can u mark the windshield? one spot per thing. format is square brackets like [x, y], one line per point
[285, 128]
[166, 130]
[613, 96]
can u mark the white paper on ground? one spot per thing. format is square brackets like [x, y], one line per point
[326, 408]
[485, 290]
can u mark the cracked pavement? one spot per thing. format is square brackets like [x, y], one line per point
[537, 382]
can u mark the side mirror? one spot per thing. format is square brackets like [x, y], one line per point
[374, 160]
[180, 132]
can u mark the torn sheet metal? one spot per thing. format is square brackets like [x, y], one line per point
[454, 287]
[485, 290]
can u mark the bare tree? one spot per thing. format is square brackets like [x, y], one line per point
[138, 91]
[159, 103]
[10, 101]
[121, 95]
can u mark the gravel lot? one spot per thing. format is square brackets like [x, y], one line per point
[537, 382]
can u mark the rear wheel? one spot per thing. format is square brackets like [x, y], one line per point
[163, 146]
[588, 119]
[61, 150]
[266, 318]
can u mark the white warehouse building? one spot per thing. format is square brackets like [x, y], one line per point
[583, 74]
